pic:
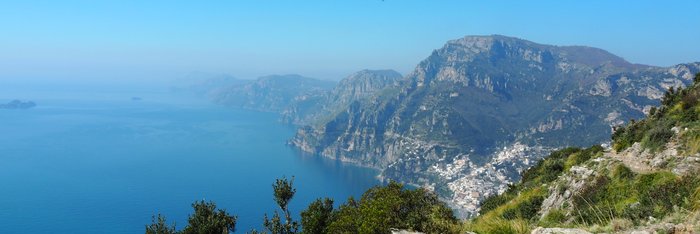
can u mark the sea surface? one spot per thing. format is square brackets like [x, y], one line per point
[92, 160]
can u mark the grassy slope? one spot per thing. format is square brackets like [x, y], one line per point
[614, 196]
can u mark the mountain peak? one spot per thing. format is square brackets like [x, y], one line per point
[486, 42]
[373, 74]
[592, 56]
[386, 72]
[500, 44]
[365, 83]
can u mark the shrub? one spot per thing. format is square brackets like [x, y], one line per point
[691, 139]
[696, 199]
[393, 206]
[499, 226]
[208, 219]
[619, 225]
[622, 173]
[553, 218]
[657, 137]
[528, 209]
[494, 202]
[317, 216]
[592, 204]
[160, 226]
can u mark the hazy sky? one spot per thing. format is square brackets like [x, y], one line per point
[130, 40]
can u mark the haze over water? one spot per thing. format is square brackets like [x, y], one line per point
[91, 160]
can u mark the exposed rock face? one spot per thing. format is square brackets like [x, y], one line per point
[271, 93]
[308, 109]
[559, 231]
[639, 160]
[449, 122]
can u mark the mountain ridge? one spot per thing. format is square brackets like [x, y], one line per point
[500, 89]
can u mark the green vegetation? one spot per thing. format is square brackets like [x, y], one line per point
[159, 226]
[618, 195]
[518, 208]
[614, 196]
[392, 206]
[546, 171]
[380, 209]
[206, 219]
[679, 109]
[283, 192]
[611, 195]
[317, 216]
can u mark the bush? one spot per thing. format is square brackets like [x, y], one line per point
[208, 219]
[619, 225]
[690, 140]
[696, 199]
[494, 202]
[160, 226]
[657, 137]
[665, 193]
[526, 209]
[317, 216]
[622, 173]
[548, 169]
[499, 226]
[392, 206]
[553, 218]
[580, 157]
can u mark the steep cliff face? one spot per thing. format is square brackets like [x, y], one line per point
[271, 93]
[482, 108]
[313, 109]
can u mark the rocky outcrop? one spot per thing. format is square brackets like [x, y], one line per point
[559, 231]
[361, 85]
[639, 160]
[477, 95]
[271, 93]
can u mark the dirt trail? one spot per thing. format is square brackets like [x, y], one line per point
[633, 162]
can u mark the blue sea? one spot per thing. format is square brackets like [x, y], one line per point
[92, 160]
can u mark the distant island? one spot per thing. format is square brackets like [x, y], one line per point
[18, 105]
[136, 98]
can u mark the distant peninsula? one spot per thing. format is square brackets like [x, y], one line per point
[18, 105]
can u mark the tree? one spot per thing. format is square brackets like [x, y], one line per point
[159, 226]
[283, 192]
[317, 216]
[207, 219]
[383, 208]
[345, 219]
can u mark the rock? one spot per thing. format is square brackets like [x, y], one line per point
[358, 86]
[541, 230]
[271, 93]
[397, 231]
[478, 94]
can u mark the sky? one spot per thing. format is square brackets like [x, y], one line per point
[118, 41]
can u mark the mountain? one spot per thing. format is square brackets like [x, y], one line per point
[204, 84]
[311, 109]
[481, 109]
[647, 183]
[271, 93]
